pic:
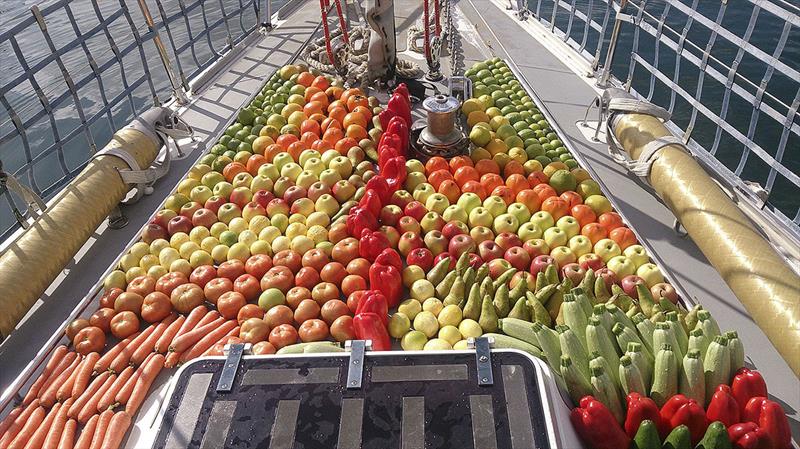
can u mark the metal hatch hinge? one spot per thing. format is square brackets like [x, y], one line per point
[355, 366]
[483, 358]
[234, 355]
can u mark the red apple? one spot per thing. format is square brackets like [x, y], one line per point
[179, 224]
[263, 197]
[574, 272]
[390, 215]
[523, 276]
[252, 209]
[202, 275]
[498, 267]
[460, 244]
[664, 290]
[609, 277]
[517, 257]
[536, 247]
[213, 204]
[541, 262]
[408, 242]
[152, 232]
[507, 240]
[408, 224]
[454, 228]
[277, 206]
[294, 193]
[422, 257]
[436, 242]
[401, 198]
[204, 217]
[391, 233]
[318, 189]
[489, 250]
[163, 217]
[590, 260]
[628, 284]
[416, 210]
[188, 209]
[475, 261]
[241, 196]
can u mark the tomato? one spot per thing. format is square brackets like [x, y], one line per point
[186, 297]
[352, 283]
[248, 286]
[583, 213]
[249, 311]
[313, 330]
[307, 277]
[263, 348]
[279, 277]
[357, 100]
[254, 330]
[333, 272]
[102, 318]
[156, 307]
[170, 281]
[202, 275]
[129, 301]
[230, 303]
[75, 326]
[315, 258]
[556, 206]
[143, 285]
[288, 258]
[324, 292]
[297, 294]
[278, 315]
[124, 324]
[258, 265]
[109, 296]
[345, 250]
[283, 335]
[307, 309]
[610, 220]
[572, 198]
[353, 299]
[359, 267]
[216, 288]
[623, 236]
[231, 269]
[342, 329]
[333, 309]
[89, 339]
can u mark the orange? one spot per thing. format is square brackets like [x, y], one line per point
[313, 107]
[460, 161]
[322, 145]
[466, 173]
[322, 98]
[357, 132]
[537, 177]
[487, 166]
[530, 199]
[334, 92]
[556, 206]
[594, 232]
[337, 104]
[450, 189]
[296, 148]
[438, 177]
[345, 144]
[517, 183]
[310, 126]
[350, 92]
[356, 100]
[254, 163]
[505, 193]
[321, 83]
[305, 79]
[583, 213]
[330, 123]
[310, 92]
[318, 117]
[308, 137]
[231, 170]
[435, 163]
[284, 140]
[611, 220]
[490, 180]
[354, 118]
[476, 188]
[338, 113]
[544, 191]
[272, 151]
[623, 236]
[572, 198]
[513, 167]
[332, 135]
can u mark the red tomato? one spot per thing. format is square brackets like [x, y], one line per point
[230, 303]
[170, 281]
[288, 258]
[202, 275]
[556, 206]
[278, 315]
[75, 326]
[109, 296]
[342, 329]
[307, 309]
[263, 348]
[254, 330]
[249, 311]
[307, 277]
[143, 285]
[333, 309]
[102, 319]
[345, 250]
[333, 272]
[352, 283]
[186, 297]
[623, 236]
[353, 299]
[313, 330]
[89, 339]
[231, 269]
[283, 335]
[129, 301]
[216, 288]
[124, 324]
[315, 258]
[295, 295]
[359, 267]
[248, 286]
[156, 307]
[279, 277]
[324, 292]
[258, 265]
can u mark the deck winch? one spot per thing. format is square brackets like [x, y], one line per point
[440, 136]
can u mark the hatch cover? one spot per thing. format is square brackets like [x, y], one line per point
[406, 401]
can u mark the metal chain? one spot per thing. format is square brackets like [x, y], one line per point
[451, 41]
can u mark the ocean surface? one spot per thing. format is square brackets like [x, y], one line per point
[47, 172]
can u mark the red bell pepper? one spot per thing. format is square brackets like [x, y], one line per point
[775, 424]
[746, 385]
[371, 244]
[752, 411]
[641, 408]
[368, 326]
[399, 105]
[378, 183]
[394, 170]
[597, 427]
[371, 201]
[748, 435]
[391, 140]
[399, 126]
[375, 302]
[388, 280]
[723, 407]
[389, 257]
[386, 152]
[671, 406]
[693, 416]
[359, 219]
[384, 116]
[402, 89]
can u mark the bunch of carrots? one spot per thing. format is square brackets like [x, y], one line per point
[88, 402]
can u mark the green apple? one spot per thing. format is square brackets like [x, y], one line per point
[228, 212]
[436, 202]
[621, 265]
[328, 156]
[269, 170]
[115, 279]
[223, 189]
[505, 223]
[469, 201]
[422, 192]
[281, 160]
[431, 221]
[569, 225]
[410, 307]
[175, 201]
[495, 205]
[555, 237]
[314, 165]
[261, 182]
[414, 179]
[455, 212]
[543, 219]
[242, 179]
[422, 289]
[186, 186]
[228, 238]
[306, 178]
[563, 255]
[637, 254]
[520, 211]
[270, 298]
[580, 245]
[414, 166]
[342, 165]
[413, 341]
[606, 249]
[307, 155]
[650, 273]
[529, 231]
[211, 179]
[291, 170]
[599, 204]
[411, 274]
[200, 194]
[480, 216]
[326, 204]
[480, 234]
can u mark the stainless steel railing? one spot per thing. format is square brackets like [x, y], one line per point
[74, 71]
[729, 72]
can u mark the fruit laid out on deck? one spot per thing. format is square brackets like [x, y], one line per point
[309, 223]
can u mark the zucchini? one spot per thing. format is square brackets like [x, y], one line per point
[571, 346]
[299, 348]
[706, 322]
[519, 329]
[679, 438]
[736, 349]
[575, 318]
[665, 375]
[604, 316]
[646, 329]
[548, 341]
[505, 342]
[619, 316]
[717, 365]
[647, 436]
[692, 382]
[583, 300]
[698, 341]
[630, 378]
[664, 335]
[598, 340]
[577, 384]
[606, 392]
[625, 335]
[634, 351]
[677, 329]
[716, 437]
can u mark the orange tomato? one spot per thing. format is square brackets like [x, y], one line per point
[284, 140]
[460, 161]
[435, 163]
[572, 198]
[345, 144]
[318, 117]
[594, 232]
[337, 104]
[611, 220]
[466, 173]
[330, 123]
[272, 151]
[505, 193]
[310, 92]
[321, 83]
[517, 183]
[254, 163]
[556, 206]
[334, 92]
[310, 126]
[322, 145]
[322, 98]
[332, 135]
[438, 177]
[305, 79]
[537, 177]
[296, 148]
[356, 132]
[231, 170]
[530, 199]
[487, 166]
[356, 100]
[365, 111]
[349, 93]
[338, 113]
[490, 180]
[584, 214]
[544, 191]
[476, 188]
[354, 118]
[513, 167]
[308, 138]
[450, 189]
[623, 236]
[313, 107]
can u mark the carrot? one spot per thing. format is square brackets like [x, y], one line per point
[172, 360]
[36, 441]
[208, 341]
[110, 395]
[123, 359]
[65, 390]
[85, 440]
[57, 428]
[90, 408]
[232, 337]
[105, 361]
[67, 440]
[102, 428]
[186, 340]
[54, 361]
[9, 420]
[82, 381]
[117, 429]
[96, 384]
[147, 346]
[149, 372]
[15, 428]
[49, 396]
[162, 345]
[125, 392]
[195, 319]
[31, 424]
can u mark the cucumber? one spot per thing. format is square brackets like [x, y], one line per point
[634, 351]
[606, 392]
[717, 365]
[577, 385]
[716, 437]
[736, 350]
[575, 318]
[599, 341]
[698, 341]
[630, 378]
[679, 438]
[692, 382]
[647, 436]
[571, 346]
[548, 341]
[505, 342]
[665, 375]
[646, 329]
[519, 329]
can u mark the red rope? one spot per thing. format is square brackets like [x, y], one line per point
[342, 22]
[426, 29]
[437, 14]
[324, 13]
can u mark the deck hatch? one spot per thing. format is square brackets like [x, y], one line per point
[406, 401]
